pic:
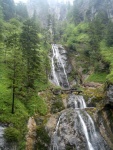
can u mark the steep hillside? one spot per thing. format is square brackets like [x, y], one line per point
[88, 9]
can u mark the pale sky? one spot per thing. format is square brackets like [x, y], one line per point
[16, 1]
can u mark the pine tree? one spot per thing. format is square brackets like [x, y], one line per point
[29, 42]
[21, 11]
[14, 64]
[8, 9]
[109, 34]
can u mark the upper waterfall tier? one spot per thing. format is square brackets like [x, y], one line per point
[58, 66]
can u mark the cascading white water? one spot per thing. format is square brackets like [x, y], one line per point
[55, 78]
[59, 75]
[83, 129]
[79, 102]
[55, 140]
[93, 138]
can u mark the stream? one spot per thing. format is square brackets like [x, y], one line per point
[75, 128]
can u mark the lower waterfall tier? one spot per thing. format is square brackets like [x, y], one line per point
[76, 129]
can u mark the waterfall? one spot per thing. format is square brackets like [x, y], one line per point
[58, 66]
[84, 133]
[55, 78]
[75, 127]
[84, 127]
[79, 102]
[55, 137]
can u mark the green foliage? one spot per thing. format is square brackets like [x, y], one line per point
[13, 75]
[107, 53]
[76, 35]
[29, 42]
[109, 34]
[12, 134]
[37, 105]
[97, 77]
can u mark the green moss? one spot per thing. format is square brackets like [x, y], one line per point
[97, 77]
[12, 134]
[97, 94]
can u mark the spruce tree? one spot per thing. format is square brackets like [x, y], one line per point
[8, 9]
[29, 42]
[14, 63]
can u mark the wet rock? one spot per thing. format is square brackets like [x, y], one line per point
[75, 128]
[51, 124]
[60, 66]
[109, 98]
[57, 91]
[4, 145]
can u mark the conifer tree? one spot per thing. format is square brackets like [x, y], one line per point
[14, 64]
[29, 42]
[8, 9]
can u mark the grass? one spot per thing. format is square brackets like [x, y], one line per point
[97, 77]
[37, 105]
[107, 54]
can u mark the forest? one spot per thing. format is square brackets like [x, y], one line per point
[27, 32]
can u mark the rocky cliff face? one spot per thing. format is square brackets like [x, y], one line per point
[109, 98]
[44, 8]
[90, 8]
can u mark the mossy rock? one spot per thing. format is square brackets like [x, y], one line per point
[43, 139]
[57, 91]
[12, 135]
[57, 105]
[70, 147]
[96, 94]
